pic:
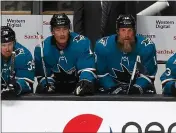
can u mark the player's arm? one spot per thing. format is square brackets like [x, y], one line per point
[148, 60]
[25, 73]
[105, 80]
[39, 71]
[86, 70]
[86, 63]
[168, 78]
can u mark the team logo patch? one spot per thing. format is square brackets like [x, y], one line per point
[79, 38]
[103, 41]
[19, 51]
[147, 42]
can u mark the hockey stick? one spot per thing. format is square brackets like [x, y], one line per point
[3, 82]
[12, 72]
[43, 63]
[133, 73]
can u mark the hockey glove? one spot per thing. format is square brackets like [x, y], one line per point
[12, 90]
[84, 87]
[119, 90]
[135, 89]
[50, 89]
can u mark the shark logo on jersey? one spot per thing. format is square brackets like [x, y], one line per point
[103, 41]
[79, 38]
[19, 51]
[122, 76]
[65, 76]
[70, 71]
[147, 42]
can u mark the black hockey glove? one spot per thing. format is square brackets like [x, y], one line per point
[84, 87]
[121, 89]
[135, 89]
[50, 89]
[12, 90]
[173, 89]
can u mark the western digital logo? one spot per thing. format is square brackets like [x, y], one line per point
[164, 24]
[147, 36]
[15, 22]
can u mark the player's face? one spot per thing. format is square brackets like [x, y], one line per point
[126, 39]
[61, 35]
[7, 49]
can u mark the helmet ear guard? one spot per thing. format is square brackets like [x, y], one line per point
[60, 20]
[7, 34]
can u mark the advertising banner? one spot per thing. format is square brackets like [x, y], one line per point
[161, 30]
[88, 116]
[25, 27]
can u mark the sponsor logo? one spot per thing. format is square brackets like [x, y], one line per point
[15, 22]
[32, 37]
[46, 23]
[164, 24]
[90, 123]
[165, 51]
[147, 36]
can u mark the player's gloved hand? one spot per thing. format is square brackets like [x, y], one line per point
[3, 86]
[135, 89]
[84, 87]
[40, 89]
[173, 89]
[12, 90]
[121, 89]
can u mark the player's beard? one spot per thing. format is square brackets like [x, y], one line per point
[126, 46]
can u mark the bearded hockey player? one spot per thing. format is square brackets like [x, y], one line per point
[17, 66]
[117, 56]
[68, 60]
[168, 78]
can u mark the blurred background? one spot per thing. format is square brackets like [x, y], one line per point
[50, 7]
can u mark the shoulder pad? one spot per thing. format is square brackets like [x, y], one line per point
[103, 41]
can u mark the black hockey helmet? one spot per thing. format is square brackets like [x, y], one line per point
[59, 20]
[125, 21]
[7, 34]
